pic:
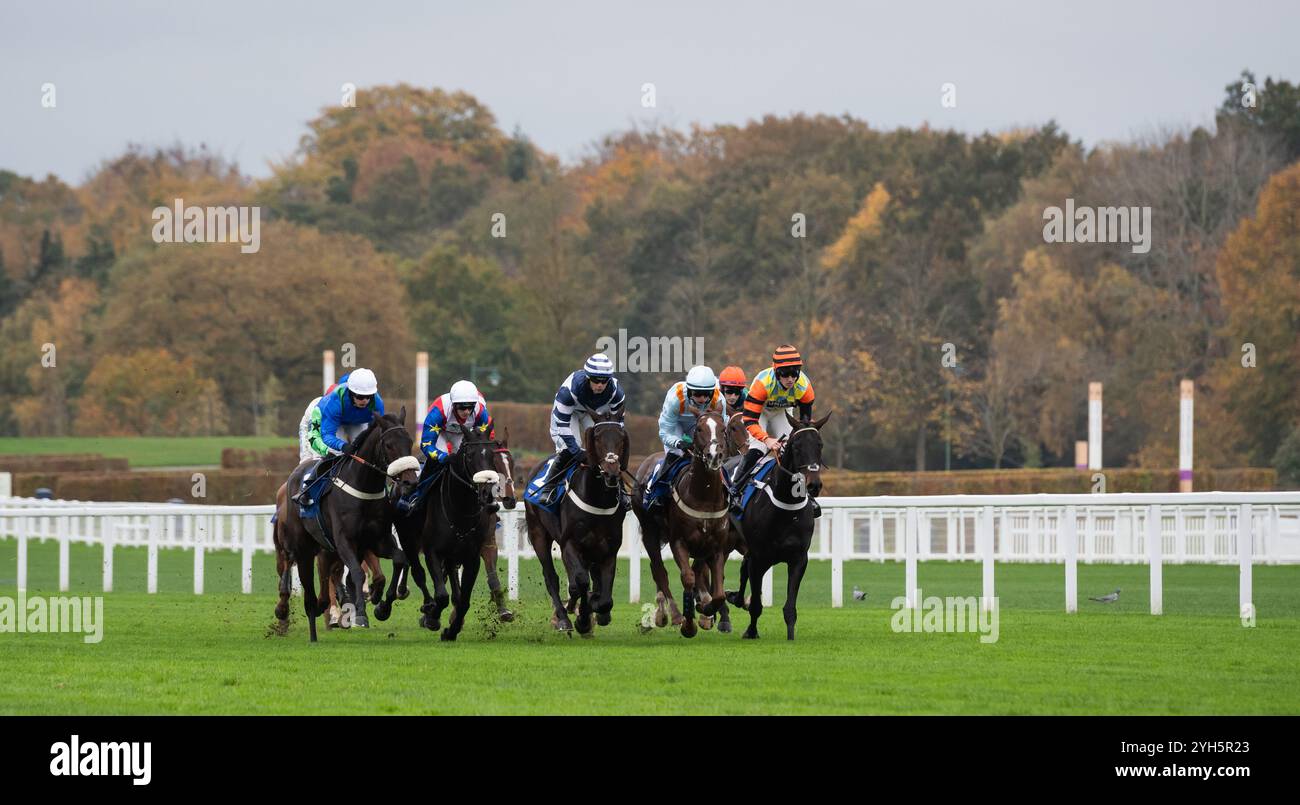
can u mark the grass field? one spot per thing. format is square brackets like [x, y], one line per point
[143, 451]
[175, 652]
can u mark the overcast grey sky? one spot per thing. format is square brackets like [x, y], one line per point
[244, 77]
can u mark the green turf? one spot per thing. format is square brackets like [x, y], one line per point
[144, 451]
[178, 653]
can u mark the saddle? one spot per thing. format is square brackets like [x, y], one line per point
[754, 482]
[534, 490]
[316, 484]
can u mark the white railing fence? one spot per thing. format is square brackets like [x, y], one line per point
[1211, 527]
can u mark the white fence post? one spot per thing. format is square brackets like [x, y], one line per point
[110, 534]
[1068, 533]
[986, 551]
[62, 530]
[1245, 557]
[22, 554]
[909, 559]
[512, 556]
[839, 528]
[246, 564]
[197, 534]
[1155, 548]
[631, 533]
[154, 526]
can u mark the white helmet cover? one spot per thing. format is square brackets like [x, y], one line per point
[701, 378]
[362, 382]
[463, 391]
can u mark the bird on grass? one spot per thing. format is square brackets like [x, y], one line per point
[859, 595]
[1106, 599]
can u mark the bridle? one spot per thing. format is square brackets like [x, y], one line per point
[699, 445]
[610, 480]
[789, 440]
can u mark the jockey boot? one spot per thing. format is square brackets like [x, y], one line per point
[742, 472]
[547, 495]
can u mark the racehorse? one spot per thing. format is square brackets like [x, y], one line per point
[694, 523]
[505, 493]
[588, 526]
[737, 436]
[778, 524]
[377, 466]
[450, 531]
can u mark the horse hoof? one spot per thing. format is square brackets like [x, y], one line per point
[447, 636]
[361, 622]
[725, 627]
[430, 623]
[506, 616]
[688, 629]
[382, 611]
[643, 629]
[602, 619]
[749, 634]
[678, 620]
[403, 592]
[282, 612]
[661, 619]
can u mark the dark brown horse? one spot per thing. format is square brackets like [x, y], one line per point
[450, 531]
[694, 523]
[588, 526]
[359, 513]
[778, 524]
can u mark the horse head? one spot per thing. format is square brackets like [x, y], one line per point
[505, 467]
[476, 464]
[606, 443]
[737, 436]
[709, 441]
[386, 445]
[803, 451]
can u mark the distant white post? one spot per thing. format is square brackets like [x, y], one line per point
[197, 534]
[909, 558]
[110, 534]
[510, 534]
[1185, 425]
[986, 551]
[1081, 455]
[1155, 549]
[6, 485]
[327, 370]
[1245, 556]
[23, 524]
[421, 385]
[1094, 426]
[246, 563]
[1069, 533]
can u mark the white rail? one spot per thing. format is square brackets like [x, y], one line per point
[1209, 527]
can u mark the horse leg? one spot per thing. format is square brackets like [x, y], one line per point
[792, 583]
[738, 597]
[357, 577]
[688, 588]
[452, 571]
[401, 576]
[660, 575]
[579, 581]
[489, 556]
[604, 603]
[719, 591]
[309, 603]
[377, 579]
[755, 603]
[440, 599]
[542, 547]
[702, 596]
[464, 589]
[284, 568]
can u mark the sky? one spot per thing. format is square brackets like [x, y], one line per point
[243, 78]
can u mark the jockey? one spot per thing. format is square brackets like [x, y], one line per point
[686, 399]
[774, 391]
[344, 411]
[732, 383]
[593, 389]
[460, 409]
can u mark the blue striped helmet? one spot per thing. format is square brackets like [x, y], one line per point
[599, 365]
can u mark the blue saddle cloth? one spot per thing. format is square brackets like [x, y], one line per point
[316, 485]
[664, 482]
[535, 485]
[752, 485]
[412, 500]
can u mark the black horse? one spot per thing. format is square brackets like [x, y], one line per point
[359, 513]
[778, 523]
[450, 530]
[588, 528]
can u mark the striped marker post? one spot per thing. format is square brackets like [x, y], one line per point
[1185, 424]
[1094, 426]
